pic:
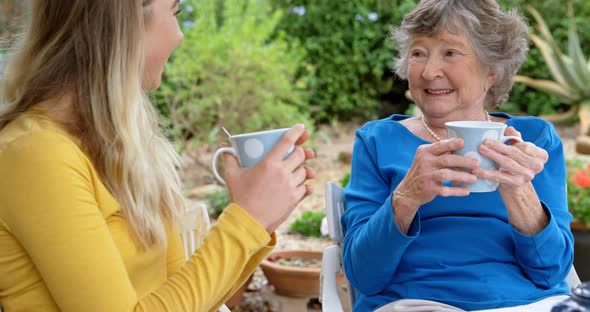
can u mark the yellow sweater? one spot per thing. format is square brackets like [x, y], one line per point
[64, 245]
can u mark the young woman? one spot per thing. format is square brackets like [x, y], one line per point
[90, 201]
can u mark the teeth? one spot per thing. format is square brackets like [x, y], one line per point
[439, 92]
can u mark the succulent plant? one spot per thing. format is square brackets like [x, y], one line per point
[571, 71]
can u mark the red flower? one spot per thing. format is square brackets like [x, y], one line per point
[581, 178]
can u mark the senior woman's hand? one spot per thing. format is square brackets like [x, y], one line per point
[433, 165]
[519, 163]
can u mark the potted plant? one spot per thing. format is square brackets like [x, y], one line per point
[571, 74]
[296, 273]
[578, 191]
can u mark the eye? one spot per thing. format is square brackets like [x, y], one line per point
[451, 53]
[178, 11]
[416, 53]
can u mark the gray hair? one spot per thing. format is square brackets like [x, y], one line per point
[499, 39]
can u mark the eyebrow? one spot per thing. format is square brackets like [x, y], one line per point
[451, 41]
[175, 3]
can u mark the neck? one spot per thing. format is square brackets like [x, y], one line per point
[436, 129]
[61, 108]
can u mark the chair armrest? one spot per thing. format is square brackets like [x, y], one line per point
[328, 286]
[572, 278]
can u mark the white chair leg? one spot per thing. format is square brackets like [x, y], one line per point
[328, 285]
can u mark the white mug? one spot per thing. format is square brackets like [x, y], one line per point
[249, 148]
[473, 134]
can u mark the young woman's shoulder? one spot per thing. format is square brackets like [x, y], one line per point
[34, 139]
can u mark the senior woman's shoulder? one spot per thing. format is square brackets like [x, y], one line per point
[533, 129]
[387, 125]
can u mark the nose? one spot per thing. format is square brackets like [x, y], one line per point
[179, 38]
[433, 68]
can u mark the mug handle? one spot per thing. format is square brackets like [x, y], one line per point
[503, 138]
[218, 152]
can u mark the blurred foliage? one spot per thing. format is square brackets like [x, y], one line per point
[578, 190]
[308, 224]
[346, 43]
[345, 179]
[523, 98]
[229, 72]
[261, 64]
[218, 200]
[569, 69]
[10, 11]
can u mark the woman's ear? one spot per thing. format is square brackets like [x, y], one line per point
[491, 79]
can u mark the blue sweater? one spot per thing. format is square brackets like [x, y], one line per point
[462, 251]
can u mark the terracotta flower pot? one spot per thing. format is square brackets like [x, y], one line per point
[238, 296]
[294, 281]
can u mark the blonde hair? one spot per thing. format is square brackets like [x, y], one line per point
[95, 50]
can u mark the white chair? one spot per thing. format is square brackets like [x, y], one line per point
[332, 258]
[197, 223]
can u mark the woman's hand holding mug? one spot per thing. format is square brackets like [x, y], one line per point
[273, 187]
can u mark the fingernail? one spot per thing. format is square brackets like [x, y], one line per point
[300, 125]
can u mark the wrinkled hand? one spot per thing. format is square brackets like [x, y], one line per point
[271, 190]
[432, 165]
[519, 162]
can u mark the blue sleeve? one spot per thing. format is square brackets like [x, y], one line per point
[546, 257]
[373, 244]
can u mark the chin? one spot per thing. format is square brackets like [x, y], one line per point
[151, 85]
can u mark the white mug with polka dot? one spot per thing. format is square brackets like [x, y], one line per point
[249, 148]
[473, 134]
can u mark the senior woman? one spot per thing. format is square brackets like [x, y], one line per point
[410, 234]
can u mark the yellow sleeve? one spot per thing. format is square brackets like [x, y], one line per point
[175, 257]
[234, 215]
[52, 211]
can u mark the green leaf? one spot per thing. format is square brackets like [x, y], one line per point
[549, 57]
[551, 87]
[575, 51]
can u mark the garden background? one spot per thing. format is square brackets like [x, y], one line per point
[259, 64]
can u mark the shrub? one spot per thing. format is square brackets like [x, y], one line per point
[526, 99]
[308, 224]
[345, 179]
[218, 200]
[228, 72]
[346, 43]
[569, 70]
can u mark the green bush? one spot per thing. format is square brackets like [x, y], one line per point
[229, 72]
[308, 224]
[218, 200]
[346, 43]
[522, 98]
[345, 179]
